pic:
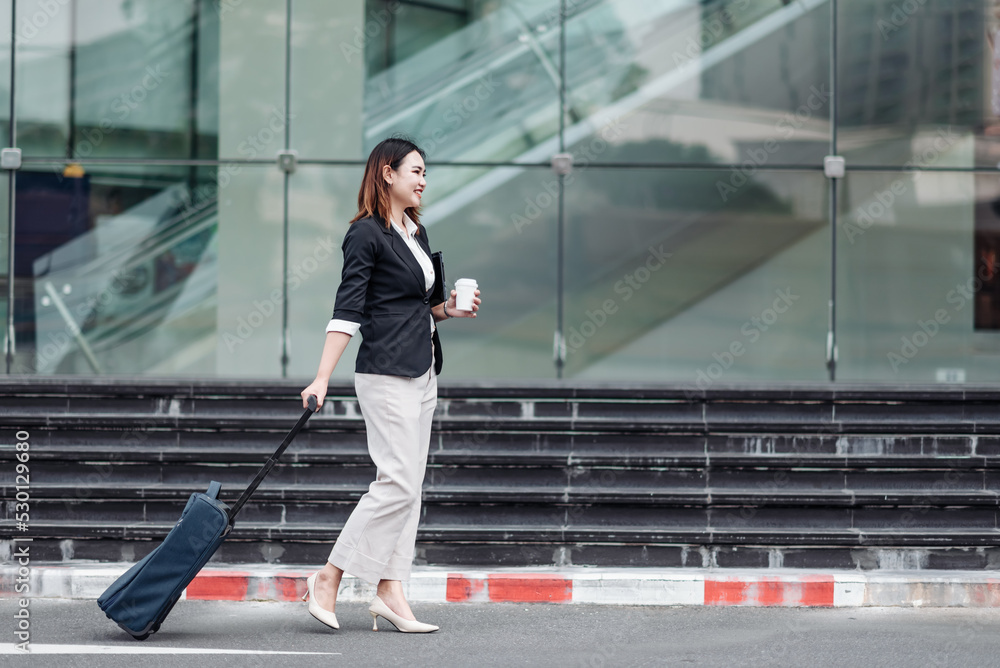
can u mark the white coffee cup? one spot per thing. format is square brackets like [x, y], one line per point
[466, 289]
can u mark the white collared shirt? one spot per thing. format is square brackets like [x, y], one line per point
[351, 328]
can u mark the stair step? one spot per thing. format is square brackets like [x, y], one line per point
[482, 492]
[137, 442]
[666, 424]
[798, 519]
[875, 536]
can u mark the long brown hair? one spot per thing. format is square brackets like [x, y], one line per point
[373, 197]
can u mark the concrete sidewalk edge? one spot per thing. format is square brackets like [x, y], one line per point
[607, 586]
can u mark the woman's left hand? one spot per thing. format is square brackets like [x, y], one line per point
[455, 313]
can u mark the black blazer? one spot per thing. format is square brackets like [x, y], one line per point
[382, 288]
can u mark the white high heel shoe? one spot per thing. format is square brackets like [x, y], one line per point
[315, 610]
[378, 607]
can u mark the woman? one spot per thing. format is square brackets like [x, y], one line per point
[385, 293]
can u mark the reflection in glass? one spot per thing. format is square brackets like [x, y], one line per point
[910, 281]
[728, 80]
[4, 259]
[405, 28]
[43, 76]
[487, 91]
[321, 201]
[121, 272]
[987, 253]
[500, 231]
[251, 274]
[672, 263]
[666, 278]
[5, 47]
[906, 77]
[118, 79]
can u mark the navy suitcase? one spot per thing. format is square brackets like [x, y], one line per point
[142, 598]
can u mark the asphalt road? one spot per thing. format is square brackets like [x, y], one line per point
[497, 634]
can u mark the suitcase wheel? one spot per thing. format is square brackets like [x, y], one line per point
[154, 629]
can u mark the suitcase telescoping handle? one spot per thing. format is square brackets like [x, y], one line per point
[264, 470]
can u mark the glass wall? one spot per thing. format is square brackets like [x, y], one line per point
[6, 285]
[639, 186]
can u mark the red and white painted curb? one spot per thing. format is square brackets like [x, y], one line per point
[606, 586]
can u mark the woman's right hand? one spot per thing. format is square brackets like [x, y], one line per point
[317, 387]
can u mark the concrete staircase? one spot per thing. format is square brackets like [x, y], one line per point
[820, 476]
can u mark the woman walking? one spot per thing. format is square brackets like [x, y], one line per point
[385, 294]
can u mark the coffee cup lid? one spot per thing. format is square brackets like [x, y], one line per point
[466, 280]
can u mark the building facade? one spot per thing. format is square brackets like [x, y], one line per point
[187, 168]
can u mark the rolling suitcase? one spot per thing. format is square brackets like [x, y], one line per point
[142, 598]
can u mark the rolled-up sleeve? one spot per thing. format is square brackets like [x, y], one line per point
[345, 326]
[359, 259]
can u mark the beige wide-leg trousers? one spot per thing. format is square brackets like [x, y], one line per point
[377, 541]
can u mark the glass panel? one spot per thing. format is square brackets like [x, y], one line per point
[700, 81]
[420, 26]
[5, 53]
[5, 48]
[252, 78]
[121, 75]
[499, 230]
[116, 269]
[668, 281]
[916, 267]
[321, 200]
[407, 26]
[916, 76]
[43, 77]
[251, 276]
[4, 263]
[143, 79]
[328, 46]
[121, 272]
[134, 88]
[485, 92]
[418, 68]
